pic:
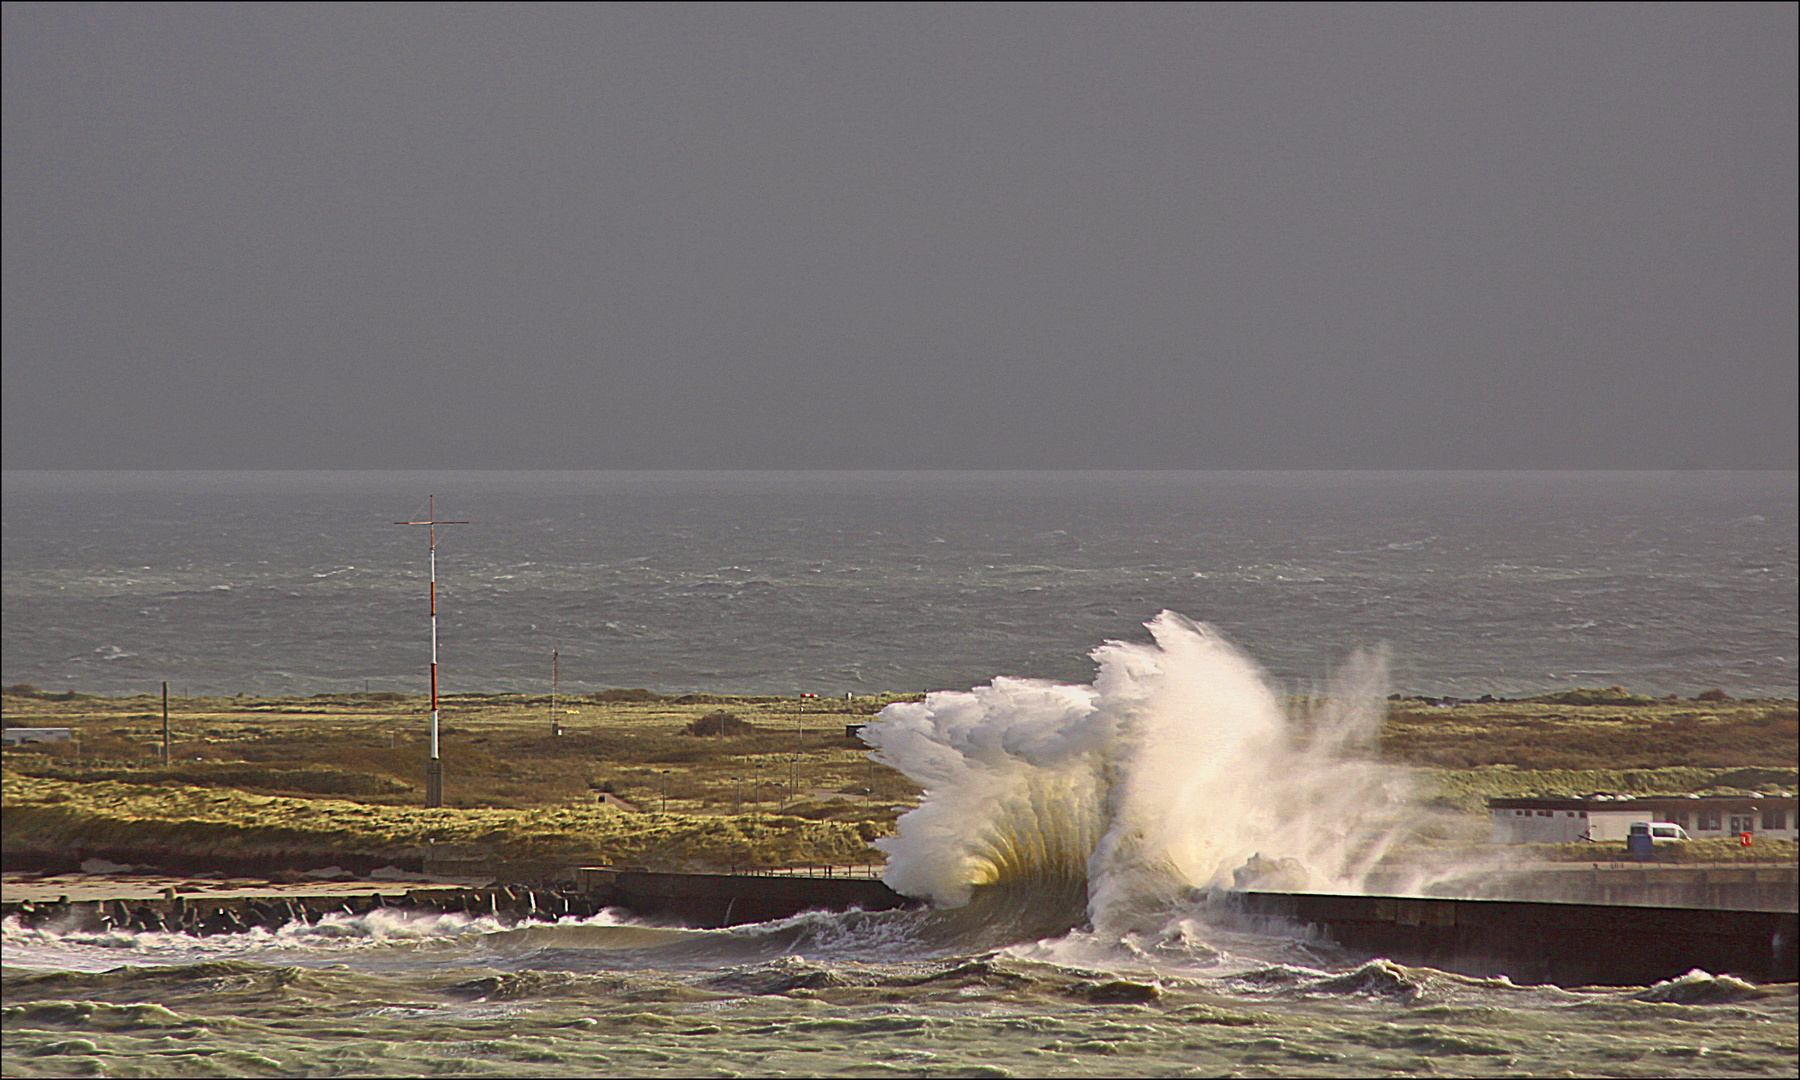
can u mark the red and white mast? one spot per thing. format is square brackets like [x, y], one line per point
[434, 769]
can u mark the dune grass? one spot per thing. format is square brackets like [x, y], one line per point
[112, 816]
[344, 773]
[1554, 735]
[1468, 790]
[778, 783]
[1715, 850]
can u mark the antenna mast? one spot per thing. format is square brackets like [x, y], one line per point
[434, 769]
[555, 724]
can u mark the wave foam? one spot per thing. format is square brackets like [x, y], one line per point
[1176, 768]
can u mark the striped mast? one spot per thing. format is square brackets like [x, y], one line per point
[434, 769]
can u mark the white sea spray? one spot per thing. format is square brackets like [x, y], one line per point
[1178, 767]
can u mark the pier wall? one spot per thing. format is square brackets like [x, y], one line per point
[717, 900]
[1741, 886]
[1539, 942]
[1527, 941]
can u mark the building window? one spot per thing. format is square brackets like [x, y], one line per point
[1743, 824]
[1679, 817]
[1774, 819]
[1709, 820]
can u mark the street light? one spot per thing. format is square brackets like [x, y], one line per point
[665, 793]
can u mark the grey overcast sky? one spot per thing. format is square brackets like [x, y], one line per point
[892, 236]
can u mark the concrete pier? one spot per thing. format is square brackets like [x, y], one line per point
[1528, 941]
[203, 914]
[1742, 886]
[1536, 942]
[715, 900]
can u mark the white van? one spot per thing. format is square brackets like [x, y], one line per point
[1659, 830]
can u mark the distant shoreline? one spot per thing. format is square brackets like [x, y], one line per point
[1583, 695]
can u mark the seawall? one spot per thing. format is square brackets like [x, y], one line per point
[1746, 886]
[1528, 941]
[1543, 942]
[717, 900]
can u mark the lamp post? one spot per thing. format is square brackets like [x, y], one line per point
[665, 793]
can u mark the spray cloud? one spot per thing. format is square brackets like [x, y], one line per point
[1178, 767]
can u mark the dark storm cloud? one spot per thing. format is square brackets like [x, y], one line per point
[853, 237]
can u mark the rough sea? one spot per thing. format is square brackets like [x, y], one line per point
[1091, 745]
[271, 583]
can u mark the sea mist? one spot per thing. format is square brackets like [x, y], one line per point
[1179, 767]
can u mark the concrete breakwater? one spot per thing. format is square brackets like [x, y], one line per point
[225, 914]
[1540, 942]
[1527, 941]
[717, 900]
[1743, 886]
[702, 901]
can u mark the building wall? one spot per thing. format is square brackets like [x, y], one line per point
[1703, 820]
[16, 735]
[1615, 824]
[1772, 821]
[1539, 826]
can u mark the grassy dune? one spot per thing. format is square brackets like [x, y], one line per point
[1552, 734]
[113, 817]
[715, 781]
[307, 779]
[1764, 850]
[1468, 790]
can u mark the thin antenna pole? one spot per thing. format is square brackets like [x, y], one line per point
[434, 769]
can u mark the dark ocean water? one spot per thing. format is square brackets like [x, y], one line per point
[1504, 583]
[888, 994]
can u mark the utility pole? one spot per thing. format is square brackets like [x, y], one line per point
[434, 768]
[165, 725]
[555, 724]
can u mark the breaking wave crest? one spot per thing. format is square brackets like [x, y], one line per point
[1179, 767]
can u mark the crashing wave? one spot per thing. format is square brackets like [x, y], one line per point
[1177, 768]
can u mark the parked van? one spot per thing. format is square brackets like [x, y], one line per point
[1659, 830]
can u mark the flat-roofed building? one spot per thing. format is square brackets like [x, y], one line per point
[13, 736]
[1559, 820]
